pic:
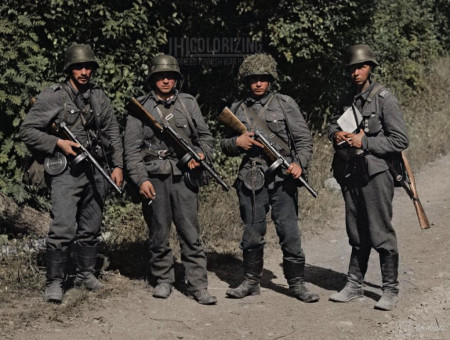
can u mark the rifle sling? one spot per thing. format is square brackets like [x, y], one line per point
[166, 115]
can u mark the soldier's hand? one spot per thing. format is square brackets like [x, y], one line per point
[355, 139]
[67, 146]
[193, 163]
[246, 141]
[342, 137]
[117, 176]
[146, 189]
[295, 170]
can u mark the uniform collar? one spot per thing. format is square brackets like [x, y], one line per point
[85, 95]
[166, 103]
[250, 101]
[363, 95]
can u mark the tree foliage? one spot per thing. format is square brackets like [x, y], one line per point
[308, 39]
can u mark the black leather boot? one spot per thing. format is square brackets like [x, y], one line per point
[356, 271]
[86, 259]
[389, 273]
[294, 273]
[253, 266]
[56, 262]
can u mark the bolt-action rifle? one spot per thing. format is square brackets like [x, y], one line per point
[230, 120]
[180, 144]
[409, 184]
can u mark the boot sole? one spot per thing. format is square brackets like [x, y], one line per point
[231, 296]
[344, 301]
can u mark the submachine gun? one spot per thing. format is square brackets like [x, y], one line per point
[64, 132]
[230, 120]
[175, 139]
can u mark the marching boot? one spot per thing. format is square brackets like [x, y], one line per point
[56, 261]
[86, 259]
[356, 272]
[294, 272]
[389, 273]
[253, 266]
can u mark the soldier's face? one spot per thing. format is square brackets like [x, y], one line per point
[359, 74]
[165, 82]
[81, 73]
[259, 85]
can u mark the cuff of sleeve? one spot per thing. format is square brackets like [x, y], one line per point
[365, 143]
[139, 183]
[303, 162]
[237, 149]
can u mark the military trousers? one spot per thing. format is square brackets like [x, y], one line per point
[368, 214]
[282, 201]
[77, 197]
[175, 202]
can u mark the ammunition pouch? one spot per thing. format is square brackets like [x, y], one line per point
[34, 172]
[196, 178]
[352, 167]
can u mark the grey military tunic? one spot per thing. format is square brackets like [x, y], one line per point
[285, 120]
[77, 194]
[369, 203]
[149, 157]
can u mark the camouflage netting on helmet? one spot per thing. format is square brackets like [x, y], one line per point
[258, 64]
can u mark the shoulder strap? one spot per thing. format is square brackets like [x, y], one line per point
[80, 114]
[263, 125]
[188, 117]
[287, 127]
[375, 90]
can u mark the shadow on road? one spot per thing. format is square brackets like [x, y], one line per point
[228, 268]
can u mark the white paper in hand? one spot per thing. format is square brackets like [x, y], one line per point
[350, 119]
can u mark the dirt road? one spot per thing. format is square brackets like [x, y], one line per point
[423, 311]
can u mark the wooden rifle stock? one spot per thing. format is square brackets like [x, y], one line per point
[230, 120]
[139, 111]
[181, 145]
[411, 190]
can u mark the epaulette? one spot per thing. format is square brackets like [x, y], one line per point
[185, 95]
[56, 87]
[383, 93]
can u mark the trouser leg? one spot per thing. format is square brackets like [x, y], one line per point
[90, 212]
[66, 192]
[158, 217]
[253, 209]
[185, 216]
[283, 199]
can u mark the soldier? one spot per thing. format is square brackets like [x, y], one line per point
[77, 189]
[166, 183]
[279, 119]
[360, 166]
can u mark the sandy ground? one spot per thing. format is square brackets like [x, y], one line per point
[423, 311]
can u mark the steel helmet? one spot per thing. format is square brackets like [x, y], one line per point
[77, 54]
[165, 63]
[258, 64]
[358, 54]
